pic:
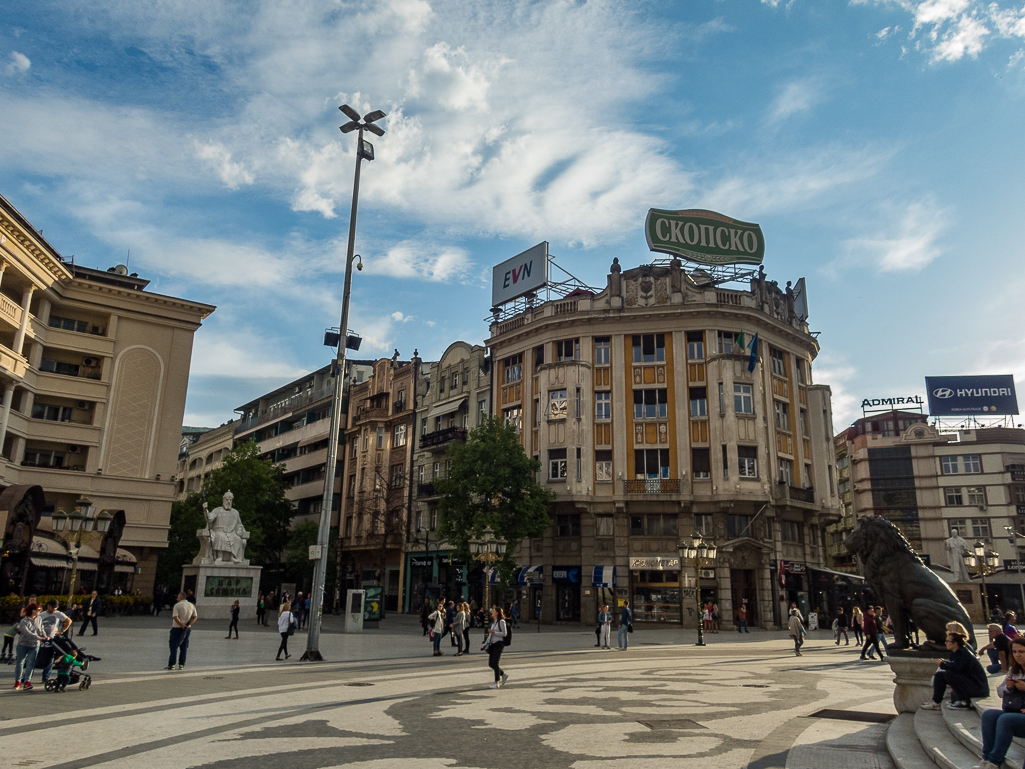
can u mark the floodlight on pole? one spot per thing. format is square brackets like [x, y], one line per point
[312, 652]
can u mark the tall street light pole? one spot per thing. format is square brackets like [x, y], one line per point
[364, 150]
[697, 551]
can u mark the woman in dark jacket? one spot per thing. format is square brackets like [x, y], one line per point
[963, 673]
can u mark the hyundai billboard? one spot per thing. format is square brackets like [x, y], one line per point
[955, 396]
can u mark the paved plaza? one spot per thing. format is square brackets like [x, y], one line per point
[382, 701]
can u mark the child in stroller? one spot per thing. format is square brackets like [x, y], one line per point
[65, 665]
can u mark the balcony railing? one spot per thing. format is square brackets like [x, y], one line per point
[652, 486]
[365, 414]
[441, 437]
[284, 407]
[802, 495]
[425, 490]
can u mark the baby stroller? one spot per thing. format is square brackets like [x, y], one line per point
[70, 664]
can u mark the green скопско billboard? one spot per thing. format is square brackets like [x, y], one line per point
[704, 237]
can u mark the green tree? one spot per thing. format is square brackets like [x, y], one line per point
[492, 483]
[258, 487]
[297, 552]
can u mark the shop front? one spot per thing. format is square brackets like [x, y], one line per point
[603, 590]
[828, 590]
[794, 584]
[566, 580]
[655, 589]
[433, 576]
[530, 587]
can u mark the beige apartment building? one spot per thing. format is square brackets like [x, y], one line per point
[201, 452]
[94, 370]
[639, 403]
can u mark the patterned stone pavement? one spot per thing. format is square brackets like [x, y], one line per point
[729, 706]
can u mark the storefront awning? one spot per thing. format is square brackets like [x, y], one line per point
[445, 408]
[531, 575]
[50, 562]
[494, 578]
[604, 576]
[48, 547]
[86, 566]
[123, 556]
[120, 569]
[562, 575]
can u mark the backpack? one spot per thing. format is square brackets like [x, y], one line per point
[508, 635]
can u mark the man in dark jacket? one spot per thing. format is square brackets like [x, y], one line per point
[871, 634]
[91, 609]
[450, 618]
[963, 673]
[841, 627]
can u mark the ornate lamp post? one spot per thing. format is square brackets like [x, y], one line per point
[488, 549]
[696, 551]
[983, 562]
[81, 523]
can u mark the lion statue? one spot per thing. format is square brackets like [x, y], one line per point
[904, 584]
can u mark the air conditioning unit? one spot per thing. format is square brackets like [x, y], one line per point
[72, 449]
[90, 361]
[83, 405]
[982, 508]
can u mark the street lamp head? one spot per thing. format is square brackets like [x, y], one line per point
[500, 546]
[58, 520]
[350, 113]
[103, 521]
[349, 127]
[980, 549]
[711, 551]
[373, 117]
[374, 129]
[75, 519]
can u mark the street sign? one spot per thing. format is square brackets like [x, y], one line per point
[315, 551]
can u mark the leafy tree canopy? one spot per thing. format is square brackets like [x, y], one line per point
[491, 482]
[259, 495]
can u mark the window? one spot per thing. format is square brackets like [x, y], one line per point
[790, 531]
[355, 447]
[786, 471]
[400, 401]
[348, 527]
[972, 463]
[539, 356]
[51, 413]
[782, 416]
[556, 404]
[455, 379]
[747, 461]
[436, 470]
[1019, 495]
[649, 348]
[722, 399]
[725, 461]
[778, 361]
[980, 528]
[59, 367]
[738, 526]
[398, 476]
[567, 349]
[557, 464]
[441, 384]
[602, 406]
[948, 465]
[578, 412]
[380, 437]
[421, 473]
[537, 412]
[800, 372]
[466, 376]
[69, 324]
[434, 518]
[43, 458]
[976, 495]
[603, 525]
[366, 439]
[695, 345]
[654, 525]
[957, 526]
[802, 419]
[953, 495]
[650, 404]
[703, 524]
[482, 411]
[701, 464]
[603, 466]
[512, 369]
[580, 468]
[651, 463]
[400, 436]
[727, 342]
[568, 525]
[743, 403]
[698, 402]
[513, 417]
[602, 351]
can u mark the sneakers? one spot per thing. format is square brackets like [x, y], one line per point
[986, 765]
[930, 705]
[505, 677]
[493, 686]
[169, 667]
[181, 667]
[26, 686]
[17, 685]
[960, 706]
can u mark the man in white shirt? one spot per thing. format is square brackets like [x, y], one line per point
[183, 617]
[55, 623]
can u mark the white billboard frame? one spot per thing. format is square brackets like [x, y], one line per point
[520, 275]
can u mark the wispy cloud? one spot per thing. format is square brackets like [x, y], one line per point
[794, 98]
[910, 243]
[17, 64]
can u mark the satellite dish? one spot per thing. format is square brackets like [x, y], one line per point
[120, 270]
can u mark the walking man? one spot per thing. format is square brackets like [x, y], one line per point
[605, 618]
[796, 630]
[90, 610]
[626, 618]
[841, 627]
[183, 617]
[871, 634]
[742, 618]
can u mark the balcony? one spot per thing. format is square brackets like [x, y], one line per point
[294, 403]
[426, 490]
[784, 493]
[441, 437]
[371, 414]
[652, 486]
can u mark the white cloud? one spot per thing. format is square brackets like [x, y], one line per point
[421, 262]
[218, 159]
[398, 317]
[846, 405]
[909, 244]
[237, 354]
[18, 64]
[796, 97]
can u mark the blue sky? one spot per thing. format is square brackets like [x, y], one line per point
[879, 144]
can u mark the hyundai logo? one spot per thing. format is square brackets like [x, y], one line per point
[943, 392]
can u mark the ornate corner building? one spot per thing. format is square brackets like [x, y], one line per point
[94, 370]
[652, 420]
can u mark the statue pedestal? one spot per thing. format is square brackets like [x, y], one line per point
[912, 674]
[219, 585]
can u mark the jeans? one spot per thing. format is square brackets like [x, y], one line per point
[742, 625]
[871, 641]
[25, 657]
[994, 667]
[178, 643]
[234, 624]
[437, 642]
[606, 634]
[458, 635]
[622, 637]
[882, 643]
[998, 729]
[466, 641]
[494, 655]
[859, 637]
[962, 688]
[843, 630]
[798, 642]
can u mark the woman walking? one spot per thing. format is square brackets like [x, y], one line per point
[494, 644]
[605, 618]
[261, 610]
[285, 620]
[999, 727]
[235, 609]
[856, 620]
[437, 620]
[460, 623]
[715, 617]
[466, 627]
[796, 631]
[30, 633]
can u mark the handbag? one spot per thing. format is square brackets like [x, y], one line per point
[629, 627]
[292, 625]
[430, 635]
[1014, 701]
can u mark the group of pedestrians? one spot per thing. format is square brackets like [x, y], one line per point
[603, 631]
[453, 620]
[43, 638]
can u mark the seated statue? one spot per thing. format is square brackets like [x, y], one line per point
[224, 539]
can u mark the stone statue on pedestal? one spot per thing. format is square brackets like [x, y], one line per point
[224, 539]
[956, 547]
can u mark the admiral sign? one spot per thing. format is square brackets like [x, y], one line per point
[954, 396]
[705, 237]
[520, 275]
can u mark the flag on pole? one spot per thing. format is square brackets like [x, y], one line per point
[739, 339]
[753, 360]
[782, 574]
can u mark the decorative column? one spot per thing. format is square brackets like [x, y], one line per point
[26, 302]
[8, 397]
[3, 267]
